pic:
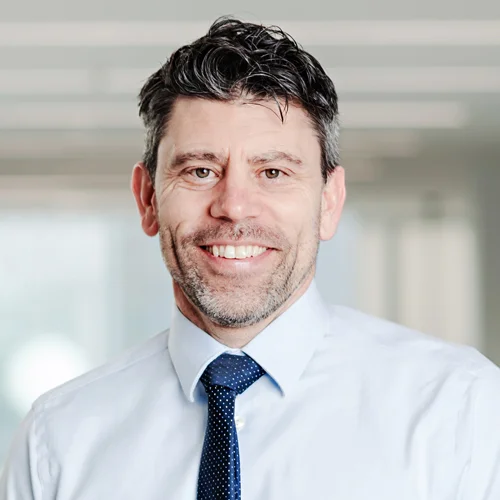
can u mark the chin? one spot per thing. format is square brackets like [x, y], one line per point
[234, 309]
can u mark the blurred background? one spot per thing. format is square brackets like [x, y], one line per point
[419, 243]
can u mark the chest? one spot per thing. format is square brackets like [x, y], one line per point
[287, 452]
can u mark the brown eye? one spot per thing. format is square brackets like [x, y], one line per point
[202, 173]
[272, 173]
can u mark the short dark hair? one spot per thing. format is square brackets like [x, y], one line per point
[236, 59]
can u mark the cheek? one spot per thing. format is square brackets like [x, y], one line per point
[298, 211]
[177, 210]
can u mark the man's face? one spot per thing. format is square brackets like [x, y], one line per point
[241, 206]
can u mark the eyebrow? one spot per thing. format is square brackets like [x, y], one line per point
[205, 156]
[275, 155]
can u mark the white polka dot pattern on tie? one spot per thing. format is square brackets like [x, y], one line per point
[225, 378]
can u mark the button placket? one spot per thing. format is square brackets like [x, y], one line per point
[239, 421]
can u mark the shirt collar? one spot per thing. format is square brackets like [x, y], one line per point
[283, 348]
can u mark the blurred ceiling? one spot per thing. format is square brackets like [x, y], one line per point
[417, 82]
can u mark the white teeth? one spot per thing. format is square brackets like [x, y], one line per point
[241, 252]
[236, 252]
[229, 252]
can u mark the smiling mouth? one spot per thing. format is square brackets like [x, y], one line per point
[235, 251]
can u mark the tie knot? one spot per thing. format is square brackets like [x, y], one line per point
[235, 372]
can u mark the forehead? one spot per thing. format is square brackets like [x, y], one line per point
[246, 127]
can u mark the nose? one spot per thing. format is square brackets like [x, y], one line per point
[236, 197]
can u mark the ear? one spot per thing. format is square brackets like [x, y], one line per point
[145, 198]
[332, 203]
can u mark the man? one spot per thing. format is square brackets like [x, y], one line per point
[259, 390]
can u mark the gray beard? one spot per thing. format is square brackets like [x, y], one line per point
[236, 305]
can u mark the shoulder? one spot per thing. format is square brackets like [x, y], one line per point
[393, 346]
[134, 364]
[450, 391]
[87, 407]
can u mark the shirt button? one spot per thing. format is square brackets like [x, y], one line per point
[240, 422]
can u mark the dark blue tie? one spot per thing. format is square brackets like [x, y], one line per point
[225, 378]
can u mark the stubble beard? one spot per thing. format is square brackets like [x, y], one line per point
[236, 303]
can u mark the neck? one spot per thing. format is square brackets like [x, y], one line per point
[236, 338]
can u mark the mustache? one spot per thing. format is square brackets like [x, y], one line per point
[238, 232]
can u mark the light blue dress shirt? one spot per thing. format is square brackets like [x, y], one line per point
[352, 408]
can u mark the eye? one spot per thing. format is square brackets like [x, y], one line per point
[202, 172]
[272, 173]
